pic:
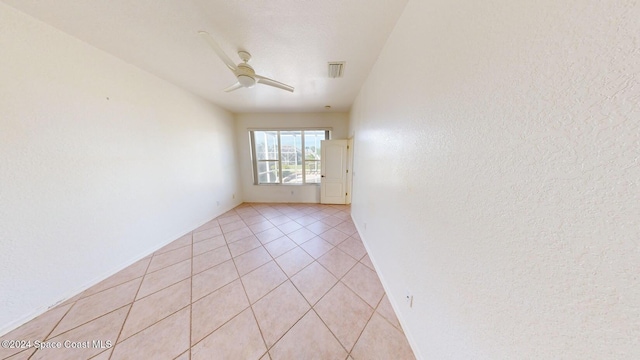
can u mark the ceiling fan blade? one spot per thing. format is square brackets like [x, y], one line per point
[271, 82]
[218, 50]
[235, 86]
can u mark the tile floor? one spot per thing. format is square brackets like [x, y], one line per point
[262, 281]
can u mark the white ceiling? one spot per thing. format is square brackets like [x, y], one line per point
[290, 40]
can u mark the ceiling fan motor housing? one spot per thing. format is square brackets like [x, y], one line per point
[246, 75]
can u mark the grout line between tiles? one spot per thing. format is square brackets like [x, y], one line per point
[166, 266]
[208, 238]
[312, 306]
[331, 331]
[109, 288]
[221, 325]
[157, 291]
[23, 351]
[346, 272]
[94, 319]
[59, 321]
[201, 271]
[130, 307]
[387, 320]
[184, 352]
[367, 323]
[289, 329]
[54, 327]
[358, 295]
[334, 285]
[250, 306]
[288, 279]
[100, 353]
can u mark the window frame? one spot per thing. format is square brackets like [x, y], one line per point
[255, 161]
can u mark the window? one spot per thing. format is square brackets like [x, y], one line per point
[287, 156]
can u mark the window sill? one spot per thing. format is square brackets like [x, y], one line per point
[289, 184]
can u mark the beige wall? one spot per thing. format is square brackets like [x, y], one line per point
[100, 164]
[497, 177]
[337, 122]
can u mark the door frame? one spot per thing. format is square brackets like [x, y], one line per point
[349, 170]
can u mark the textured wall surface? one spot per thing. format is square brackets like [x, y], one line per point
[338, 122]
[100, 164]
[497, 177]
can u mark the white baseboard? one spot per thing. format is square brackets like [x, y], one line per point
[392, 299]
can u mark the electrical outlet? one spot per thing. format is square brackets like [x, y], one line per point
[217, 203]
[233, 196]
[365, 226]
[408, 297]
[291, 192]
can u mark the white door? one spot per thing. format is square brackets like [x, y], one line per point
[333, 181]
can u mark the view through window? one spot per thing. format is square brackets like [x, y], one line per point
[287, 156]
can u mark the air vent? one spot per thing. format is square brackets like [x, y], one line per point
[336, 69]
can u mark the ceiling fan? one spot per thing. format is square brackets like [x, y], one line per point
[247, 77]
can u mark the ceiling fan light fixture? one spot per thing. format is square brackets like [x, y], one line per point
[246, 81]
